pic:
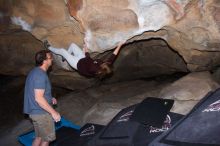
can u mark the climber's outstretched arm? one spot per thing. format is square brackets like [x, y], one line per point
[116, 51]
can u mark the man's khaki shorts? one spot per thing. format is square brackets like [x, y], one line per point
[44, 126]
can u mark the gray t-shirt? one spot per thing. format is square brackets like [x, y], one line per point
[36, 79]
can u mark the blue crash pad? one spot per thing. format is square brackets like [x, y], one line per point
[27, 138]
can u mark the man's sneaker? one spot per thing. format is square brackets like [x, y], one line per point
[46, 44]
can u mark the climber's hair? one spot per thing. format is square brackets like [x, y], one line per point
[104, 71]
[41, 56]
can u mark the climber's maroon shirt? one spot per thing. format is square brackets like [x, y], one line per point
[89, 67]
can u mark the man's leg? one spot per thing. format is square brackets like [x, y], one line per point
[37, 141]
[44, 128]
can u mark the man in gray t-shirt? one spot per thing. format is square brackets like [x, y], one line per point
[38, 100]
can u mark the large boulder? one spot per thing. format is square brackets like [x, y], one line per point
[189, 90]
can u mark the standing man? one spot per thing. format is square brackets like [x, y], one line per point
[38, 100]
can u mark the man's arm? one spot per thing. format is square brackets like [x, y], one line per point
[39, 97]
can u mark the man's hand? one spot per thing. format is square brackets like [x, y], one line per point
[54, 101]
[56, 116]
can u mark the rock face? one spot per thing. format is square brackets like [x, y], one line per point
[17, 52]
[142, 59]
[47, 20]
[190, 27]
[189, 90]
[145, 59]
[100, 105]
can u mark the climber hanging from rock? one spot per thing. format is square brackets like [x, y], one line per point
[80, 60]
